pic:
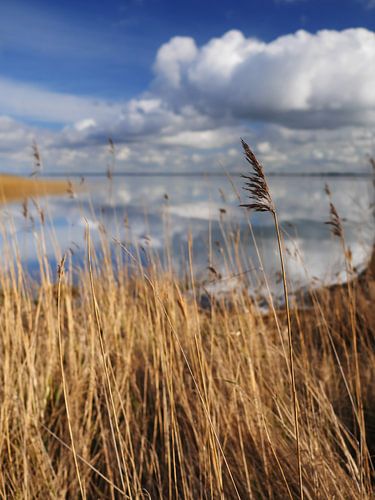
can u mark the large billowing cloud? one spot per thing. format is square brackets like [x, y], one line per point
[300, 80]
[303, 100]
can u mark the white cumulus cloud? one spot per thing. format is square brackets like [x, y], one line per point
[325, 79]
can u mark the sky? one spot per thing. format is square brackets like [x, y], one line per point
[175, 84]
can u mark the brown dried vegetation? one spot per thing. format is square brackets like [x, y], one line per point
[122, 386]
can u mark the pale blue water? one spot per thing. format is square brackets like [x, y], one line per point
[149, 213]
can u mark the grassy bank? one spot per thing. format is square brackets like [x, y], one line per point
[122, 386]
[13, 188]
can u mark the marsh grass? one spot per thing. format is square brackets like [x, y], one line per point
[13, 188]
[337, 230]
[118, 384]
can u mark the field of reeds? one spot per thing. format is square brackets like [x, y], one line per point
[121, 385]
[14, 187]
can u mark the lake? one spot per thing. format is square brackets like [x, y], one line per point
[156, 216]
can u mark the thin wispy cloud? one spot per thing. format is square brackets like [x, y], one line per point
[290, 1]
[370, 4]
[35, 29]
[45, 35]
[28, 101]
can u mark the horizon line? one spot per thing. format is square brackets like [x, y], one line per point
[198, 174]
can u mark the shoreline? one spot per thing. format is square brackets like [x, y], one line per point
[14, 187]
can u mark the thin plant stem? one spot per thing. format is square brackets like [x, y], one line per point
[260, 200]
[83, 460]
[291, 354]
[65, 391]
[106, 371]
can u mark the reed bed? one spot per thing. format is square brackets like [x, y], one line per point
[13, 187]
[119, 384]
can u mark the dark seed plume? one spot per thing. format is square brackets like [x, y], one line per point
[256, 184]
[37, 157]
[335, 221]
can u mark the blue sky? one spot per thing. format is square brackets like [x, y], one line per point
[292, 76]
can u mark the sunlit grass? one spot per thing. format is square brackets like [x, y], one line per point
[119, 384]
[13, 188]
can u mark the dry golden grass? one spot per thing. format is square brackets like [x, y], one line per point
[123, 387]
[14, 188]
[118, 384]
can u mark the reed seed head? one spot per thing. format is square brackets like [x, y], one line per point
[37, 158]
[112, 153]
[335, 221]
[256, 184]
[327, 190]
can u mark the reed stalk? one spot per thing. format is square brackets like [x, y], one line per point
[261, 201]
[65, 389]
[337, 230]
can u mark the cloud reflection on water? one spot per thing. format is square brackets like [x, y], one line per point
[144, 212]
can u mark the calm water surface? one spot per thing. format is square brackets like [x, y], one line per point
[150, 214]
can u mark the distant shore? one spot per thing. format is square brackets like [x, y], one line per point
[204, 174]
[13, 187]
